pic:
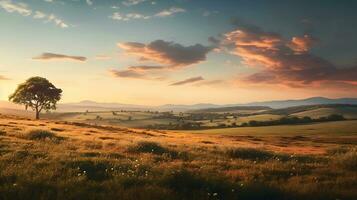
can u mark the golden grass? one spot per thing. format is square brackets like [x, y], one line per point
[109, 162]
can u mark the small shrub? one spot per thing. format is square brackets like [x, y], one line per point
[148, 147]
[42, 135]
[157, 149]
[190, 185]
[95, 171]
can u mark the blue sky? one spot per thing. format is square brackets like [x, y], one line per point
[134, 51]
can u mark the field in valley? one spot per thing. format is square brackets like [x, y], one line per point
[60, 159]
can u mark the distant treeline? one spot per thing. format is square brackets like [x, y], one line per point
[293, 121]
[253, 123]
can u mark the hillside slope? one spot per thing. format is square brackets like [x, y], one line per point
[47, 159]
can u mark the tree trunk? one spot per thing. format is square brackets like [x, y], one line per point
[37, 114]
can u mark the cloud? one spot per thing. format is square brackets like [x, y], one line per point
[170, 54]
[57, 21]
[39, 15]
[129, 73]
[126, 17]
[3, 78]
[302, 44]
[24, 10]
[147, 72]
[167, 56]
[139, 72]
[53, 56]
[170, 12]
[89, 2]
[11, 7]
[286, 62]
[187, 81]
[135, 16]
[145, 68]
[132, 2]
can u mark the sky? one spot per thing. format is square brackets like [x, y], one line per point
[154, 52]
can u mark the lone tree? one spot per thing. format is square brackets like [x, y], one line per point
[38, 94]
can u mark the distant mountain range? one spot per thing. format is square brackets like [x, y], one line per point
[302, 102]
[96, 106]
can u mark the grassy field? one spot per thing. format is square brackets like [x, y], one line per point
[51, 159]
[347, 112]
[339, 128]
[239, 120]
[206, 119]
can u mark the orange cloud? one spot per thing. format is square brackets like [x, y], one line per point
[170, 54]
[138, 72]
[284, 62]
[302, 44]
[3, 78]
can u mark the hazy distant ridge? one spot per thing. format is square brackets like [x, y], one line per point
[96, 106]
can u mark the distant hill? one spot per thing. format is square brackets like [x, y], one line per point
[237, 109]
[97, 106]
[302, 102]
[348, 111]
[316, 110]
[174, 107]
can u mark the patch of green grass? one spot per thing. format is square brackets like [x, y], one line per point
[326, 128]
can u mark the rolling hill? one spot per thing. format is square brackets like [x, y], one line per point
[316, 110]
[235, 109]
[349, 112]
[98, 106]
[302, 102]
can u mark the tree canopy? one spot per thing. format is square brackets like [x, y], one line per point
[38, 94]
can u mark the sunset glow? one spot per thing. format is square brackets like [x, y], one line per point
[182, 52]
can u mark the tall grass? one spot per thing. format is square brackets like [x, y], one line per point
[347, 160]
